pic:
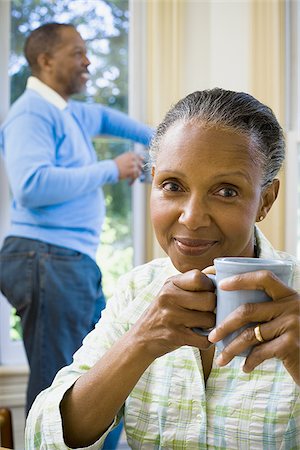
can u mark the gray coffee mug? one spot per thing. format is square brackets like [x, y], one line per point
[228, 301]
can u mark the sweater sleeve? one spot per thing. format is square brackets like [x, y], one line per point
[36, 180]
[99, 119]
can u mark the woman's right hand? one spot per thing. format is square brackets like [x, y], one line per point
[185, 301]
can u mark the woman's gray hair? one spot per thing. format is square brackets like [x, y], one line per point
[237, 111]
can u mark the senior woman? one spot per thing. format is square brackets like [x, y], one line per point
[215, 158]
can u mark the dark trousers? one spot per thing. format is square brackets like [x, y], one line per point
[57, 294]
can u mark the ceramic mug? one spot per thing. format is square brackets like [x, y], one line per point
[228, 301]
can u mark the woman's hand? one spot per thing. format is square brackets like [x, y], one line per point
[279, 324]
[185, 301]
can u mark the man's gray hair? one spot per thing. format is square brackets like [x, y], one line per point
[43, 39]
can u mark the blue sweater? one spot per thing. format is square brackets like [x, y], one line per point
[53, 171]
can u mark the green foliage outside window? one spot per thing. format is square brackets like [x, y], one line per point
[104, 26]
[115, 254]
[15, 326]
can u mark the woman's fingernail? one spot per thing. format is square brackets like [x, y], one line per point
[212, 335]
[220, 360]
[247, 369]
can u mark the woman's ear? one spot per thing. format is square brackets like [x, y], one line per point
[268, 197]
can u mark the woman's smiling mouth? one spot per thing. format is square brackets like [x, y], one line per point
[193, 247]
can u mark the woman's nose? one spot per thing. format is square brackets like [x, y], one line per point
[195, 214]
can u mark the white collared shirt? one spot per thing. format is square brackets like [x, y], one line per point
[46, 92]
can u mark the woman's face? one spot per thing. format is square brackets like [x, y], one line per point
[206, 195]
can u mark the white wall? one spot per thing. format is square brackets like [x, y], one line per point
[217, 45]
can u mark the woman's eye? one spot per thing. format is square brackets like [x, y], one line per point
[171, 186]
[227, 192]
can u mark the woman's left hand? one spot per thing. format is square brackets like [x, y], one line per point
[279, 324]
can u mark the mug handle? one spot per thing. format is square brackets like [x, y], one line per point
[206, 331]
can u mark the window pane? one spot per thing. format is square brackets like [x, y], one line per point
[115, 254]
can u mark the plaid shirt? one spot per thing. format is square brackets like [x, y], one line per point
[170, 407]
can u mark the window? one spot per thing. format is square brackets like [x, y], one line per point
[104, 25]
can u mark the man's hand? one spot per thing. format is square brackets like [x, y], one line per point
[129, 165]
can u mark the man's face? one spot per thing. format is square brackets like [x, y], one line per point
[206, 195]
[67, 71]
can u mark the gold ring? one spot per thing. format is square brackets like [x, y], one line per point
[258, 334]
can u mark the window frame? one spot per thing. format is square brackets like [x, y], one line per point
[292, 201]
[137, 101]
[292, 95]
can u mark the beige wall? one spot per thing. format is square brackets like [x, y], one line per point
[267, 84]
[236, 45]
